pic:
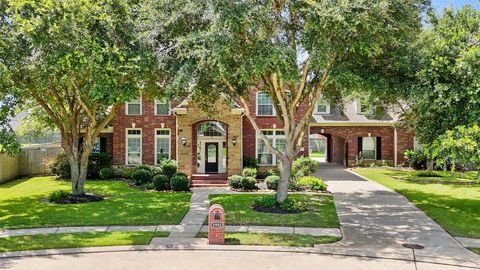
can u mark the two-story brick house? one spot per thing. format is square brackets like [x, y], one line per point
[209, 148]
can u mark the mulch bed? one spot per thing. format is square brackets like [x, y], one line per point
[76, 199]
[272, 210]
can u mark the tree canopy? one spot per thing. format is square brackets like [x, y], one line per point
[448, 93]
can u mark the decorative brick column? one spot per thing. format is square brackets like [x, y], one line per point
[216, 225]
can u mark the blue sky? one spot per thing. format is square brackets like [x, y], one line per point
[439, 4]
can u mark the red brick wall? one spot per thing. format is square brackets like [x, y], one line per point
[148, 122]
[351, 133]
[263, 122]
[338, 149]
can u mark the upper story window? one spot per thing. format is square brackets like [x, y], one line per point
[134, 107]
[264, 104]
[322, 107]
[162, 107]
[362, 107]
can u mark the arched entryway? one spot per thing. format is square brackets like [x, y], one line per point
[211, 147]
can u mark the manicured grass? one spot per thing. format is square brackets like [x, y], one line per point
[317, 154]
[274, 239]
[455, 207]
[21, 205]
[76, 240]
[238, 212]
[476, 250]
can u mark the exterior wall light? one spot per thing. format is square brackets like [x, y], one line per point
[322, 130]
[234, 140]
[184, 140]
[369, 134]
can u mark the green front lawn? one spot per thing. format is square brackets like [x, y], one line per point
[22, 205]
[77, 240]
[274, 239]
[317, 154]
[238, 212]
[455, 207]
[476, 250]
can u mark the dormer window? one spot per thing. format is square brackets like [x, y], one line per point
[362, 107]
[322, 107]
[134, 107]
[162, 107]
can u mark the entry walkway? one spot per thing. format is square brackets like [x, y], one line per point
[376, 220]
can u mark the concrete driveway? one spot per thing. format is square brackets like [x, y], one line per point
[377, 221]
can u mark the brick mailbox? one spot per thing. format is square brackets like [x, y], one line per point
[216, 225]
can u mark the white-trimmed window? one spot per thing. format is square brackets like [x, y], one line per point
[416, 144]
[162, 107]
[162, 145]
[134, 107]
[362, 107]
[369, 148]
[133, 147]
[97, 146]
[322, 107]
[277, 139]
[265, 104]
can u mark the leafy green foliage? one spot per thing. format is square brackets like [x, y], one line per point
[141, 177]
[304, 166]
[235, 181]
[169, 167]
[161, 182]
[427, 174]
[179, 183]
[58, 195]
[61, 167]
[288, 205]
[249, 182]
[272, 181]
[449, 74]
[249, 172]
[106, 173]
[416, 159]
[250, 162]
[311, 182]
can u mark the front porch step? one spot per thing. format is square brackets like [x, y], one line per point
[212, 176]
[208, 185]
[209, 180]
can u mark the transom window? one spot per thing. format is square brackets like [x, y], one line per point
[134, 107]
[277, 139]
[162, 145]
[162, 107]
[212, 129]
[264, 104]
[134, 147]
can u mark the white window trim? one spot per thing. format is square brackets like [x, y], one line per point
[323, 113]
[157, 101]
[141, 107]
[375, 145]
[274, 112]
[169, 143]
[126, 145]
[274, 137]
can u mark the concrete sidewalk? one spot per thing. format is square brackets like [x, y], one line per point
[376, 220]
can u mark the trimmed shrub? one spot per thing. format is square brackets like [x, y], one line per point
[96, 162]
[60, 166]
[106, 173]
[181, 174]
[304, 166]
[312, 182]
[179, 183]
[289, 205]
[249, 172]
[169, 168]
[58, 195]
[126, 172]
[248, 182]
[161, 182]
[141, 177]
[427, 174]
[235, 181]
[250, 162]
[416, 159]
[272, 181]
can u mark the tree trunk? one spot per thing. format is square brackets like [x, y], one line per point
[430, 165]
[282, 190]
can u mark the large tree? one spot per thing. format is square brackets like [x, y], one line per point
[448, 93]
[294, 50]
[78, 60]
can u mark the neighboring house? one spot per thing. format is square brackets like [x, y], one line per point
[147, 131]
